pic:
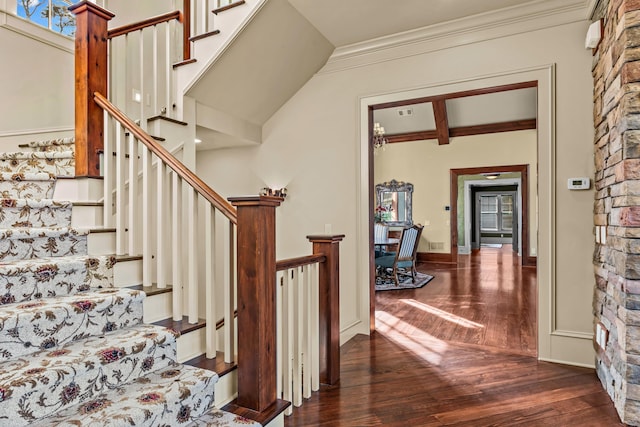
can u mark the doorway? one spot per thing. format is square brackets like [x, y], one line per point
[495, 216]
[522, 198]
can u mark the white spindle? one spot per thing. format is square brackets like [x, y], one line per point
[146, 214]
[315, 328]
[298, 329]
[155, 69]
[306, 331]
[209, 257]
[168, 69]
[176, 240]
[279, 329]
[133, 196]
[203, 14]
[194, 25]
[192, 255]
[107, 173]
[289, 336]
[229, 295]
[161, 267]
[121, 213]
[143, 118]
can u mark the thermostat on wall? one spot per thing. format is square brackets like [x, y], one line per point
[578, 183]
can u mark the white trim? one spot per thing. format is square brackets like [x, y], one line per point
[532, 16]
[36, 32]
[545, 75]
[467, 212]
[573, 334]
[565, 362]
[36, 131]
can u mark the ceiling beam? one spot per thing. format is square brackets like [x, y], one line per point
[442, 123]
[464, 131]
[453, 95]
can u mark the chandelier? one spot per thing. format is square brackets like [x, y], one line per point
[379, 141]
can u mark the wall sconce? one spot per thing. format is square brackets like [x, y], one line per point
[277, 192]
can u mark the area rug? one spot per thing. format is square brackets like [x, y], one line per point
[386, 283]
[491, 245]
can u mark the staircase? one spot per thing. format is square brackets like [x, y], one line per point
[73, 347]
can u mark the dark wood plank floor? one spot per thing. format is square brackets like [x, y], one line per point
[459, 352]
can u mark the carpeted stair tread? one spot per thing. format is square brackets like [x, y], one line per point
[58, 144]
[219, 418]
[26, 280]
[50, 322]
[20, 243]
[38, 385]
[174, 396]
[38, 185]
[34, 213]
[59, 163]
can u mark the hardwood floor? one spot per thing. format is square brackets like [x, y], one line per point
[459, 352]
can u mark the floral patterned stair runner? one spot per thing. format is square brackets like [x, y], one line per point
[27, 280]
[73, 349]
[45, 382]
[36, 185]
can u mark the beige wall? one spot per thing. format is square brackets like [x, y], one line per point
[37, 83]
[426, 165]
[312, 145]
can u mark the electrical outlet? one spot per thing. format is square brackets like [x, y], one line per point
[427, 222]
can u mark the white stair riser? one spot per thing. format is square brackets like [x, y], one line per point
[86, 216]
[277, 421]
[191, 345]
[127, 273]
[227, 388]
[79, 189]
[103, 243]
[157, 307]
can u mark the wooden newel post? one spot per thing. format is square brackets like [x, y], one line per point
[329, 310]
[91, 76]
[256, 300]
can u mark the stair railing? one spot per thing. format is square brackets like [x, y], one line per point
[143, 75]
[166, 209]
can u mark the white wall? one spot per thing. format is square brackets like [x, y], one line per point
[37, 75]
[312, 145]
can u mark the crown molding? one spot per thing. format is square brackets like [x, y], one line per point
[531, 16]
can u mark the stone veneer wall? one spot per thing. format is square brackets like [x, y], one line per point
[616, 73]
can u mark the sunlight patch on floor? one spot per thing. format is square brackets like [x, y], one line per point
[449, 317]
[420, 343]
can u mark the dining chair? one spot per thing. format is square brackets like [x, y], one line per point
[380, 234]
[405, 257]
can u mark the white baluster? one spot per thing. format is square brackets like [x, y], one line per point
[107, 172]
[287, 339]
[298, 329]
[306, 330]
[229, 295]
[168, 69]
[279, 332]
[155, 70]
[134, 212]
[121, 213]
[209, 259]
[146, 216]
[203, 14]
[143, 117]
[194, 22]
[192, 255]
[176, 237]
[161, 266]
[315, 328]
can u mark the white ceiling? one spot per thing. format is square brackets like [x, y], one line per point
[345, 22]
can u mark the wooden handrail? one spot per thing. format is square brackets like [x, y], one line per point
[185, 173]
[149, 22]
[286, 264]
